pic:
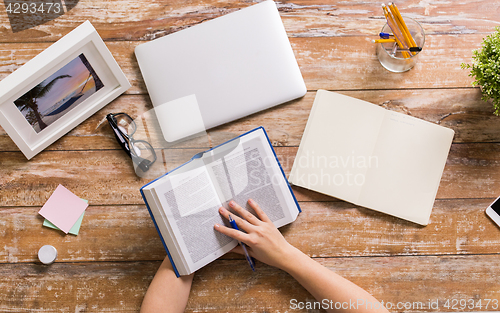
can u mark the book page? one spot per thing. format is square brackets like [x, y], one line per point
[411, 157]
[336, 150]
[248, 171]
[163, 226]
[191, 205]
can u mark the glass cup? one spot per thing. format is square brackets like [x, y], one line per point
[392, 59]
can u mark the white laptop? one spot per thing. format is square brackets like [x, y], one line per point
[220, 70]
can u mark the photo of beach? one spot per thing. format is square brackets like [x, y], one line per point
[59, 93]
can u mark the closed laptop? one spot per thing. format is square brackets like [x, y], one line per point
[220, 70]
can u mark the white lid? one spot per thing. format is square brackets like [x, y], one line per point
[47, 254]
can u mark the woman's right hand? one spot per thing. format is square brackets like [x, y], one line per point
[264, 240]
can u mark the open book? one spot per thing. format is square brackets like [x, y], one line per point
[379, 159]
[184, 203]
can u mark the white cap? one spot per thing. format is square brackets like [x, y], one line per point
[47, 254]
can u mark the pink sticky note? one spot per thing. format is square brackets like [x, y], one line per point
[63, 208]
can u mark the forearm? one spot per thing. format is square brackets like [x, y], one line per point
[167, 293]
[323, 284]
[268, 245]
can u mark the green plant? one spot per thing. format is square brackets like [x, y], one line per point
[485, 69]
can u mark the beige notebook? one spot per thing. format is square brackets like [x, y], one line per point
[379, 159]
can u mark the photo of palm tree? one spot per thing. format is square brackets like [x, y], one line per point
[59, 93]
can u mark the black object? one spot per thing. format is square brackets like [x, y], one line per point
[141, 151]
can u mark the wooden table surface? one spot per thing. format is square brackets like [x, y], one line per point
[109, 265]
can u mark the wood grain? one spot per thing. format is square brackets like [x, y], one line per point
[120, 287]
[333, 63]
[77, 287]
[459, 109]
[146, 20]
[107, 176]
[109, 265]
[323, 229]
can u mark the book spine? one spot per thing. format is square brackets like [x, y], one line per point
[159, 233]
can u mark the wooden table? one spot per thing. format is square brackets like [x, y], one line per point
[109, 265]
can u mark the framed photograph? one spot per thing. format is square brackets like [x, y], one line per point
[58, 89]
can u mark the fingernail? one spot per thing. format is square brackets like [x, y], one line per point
[217, 226]
[231, 203]
[221, 209]
[251, 201]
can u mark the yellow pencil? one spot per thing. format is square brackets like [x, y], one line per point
[400, 18]
[383, 40]
[401, 24]
[394, 27]
[395, 11]
[395, 30]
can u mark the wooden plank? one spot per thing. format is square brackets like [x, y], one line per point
[152, 19]
[120, 287]
[77, 287]
[110, 264]
[456, 227]
[346, 63]
[472, 171]
[134, 236]
[333, 63]
[338, 229]
[459, 109]
[91, 175]
[397, 279]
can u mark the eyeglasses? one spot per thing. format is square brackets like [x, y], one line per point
[141, 152]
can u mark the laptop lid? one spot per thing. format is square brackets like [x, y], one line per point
[220, 70]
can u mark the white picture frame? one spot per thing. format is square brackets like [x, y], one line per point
[83, 95]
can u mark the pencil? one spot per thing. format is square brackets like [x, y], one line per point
[383, 40]
[401, 25]
[393, 5]
[395, 31]
[405, 29]
[394, 27]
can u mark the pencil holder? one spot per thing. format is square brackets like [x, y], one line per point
[391, 57]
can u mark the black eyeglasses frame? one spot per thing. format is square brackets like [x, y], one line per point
[127, 142]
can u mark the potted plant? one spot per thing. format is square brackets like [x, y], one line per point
[485, 69]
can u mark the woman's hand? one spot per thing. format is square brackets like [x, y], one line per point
[264, 241]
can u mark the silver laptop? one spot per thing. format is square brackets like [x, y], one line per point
[220, 70]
